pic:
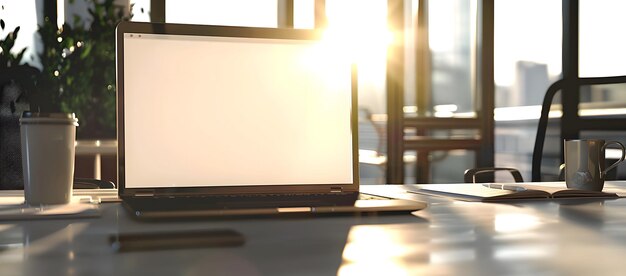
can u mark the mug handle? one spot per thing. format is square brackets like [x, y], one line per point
[618, 161]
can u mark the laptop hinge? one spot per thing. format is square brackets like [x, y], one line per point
[336, 189]
[144, 194]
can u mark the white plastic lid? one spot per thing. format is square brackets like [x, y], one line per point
[29, 117]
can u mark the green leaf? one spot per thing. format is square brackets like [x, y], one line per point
[15, 32]
[19, 56]
[86, 50]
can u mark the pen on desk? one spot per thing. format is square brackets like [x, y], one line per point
[505, 187]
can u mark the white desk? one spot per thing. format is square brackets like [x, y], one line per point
[567, 237]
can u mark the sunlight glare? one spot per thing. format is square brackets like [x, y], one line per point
[375, 250]
[329, 62]
[361, 34]
[513, 222]
[362, 238]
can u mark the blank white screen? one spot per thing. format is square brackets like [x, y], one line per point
[208, 111]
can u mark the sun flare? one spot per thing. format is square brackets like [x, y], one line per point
[362, 34]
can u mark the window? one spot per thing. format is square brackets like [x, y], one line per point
[253, 13]
[23, 14]
[527, 59]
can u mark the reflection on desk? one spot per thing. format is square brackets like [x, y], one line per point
[571, 237]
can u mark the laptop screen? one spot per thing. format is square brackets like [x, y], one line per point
[207, 111]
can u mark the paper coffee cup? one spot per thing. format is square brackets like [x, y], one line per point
[48, 156]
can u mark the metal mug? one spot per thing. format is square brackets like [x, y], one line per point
[585, 163]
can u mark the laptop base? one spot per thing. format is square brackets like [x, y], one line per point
[227, 206]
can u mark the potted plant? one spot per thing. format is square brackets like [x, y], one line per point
[78, 74]
[16, 80]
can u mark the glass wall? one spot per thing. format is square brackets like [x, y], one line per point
[451, 25]
[364, 29]
[140, 10]
[258, 13]
[527, 59]
[26, 15]
[602, 52]
[440, 64]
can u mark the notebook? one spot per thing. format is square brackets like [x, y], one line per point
[496, 192]
[220, 121]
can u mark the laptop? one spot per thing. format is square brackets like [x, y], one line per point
[225, 121]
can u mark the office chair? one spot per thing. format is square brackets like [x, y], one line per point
[614, 124]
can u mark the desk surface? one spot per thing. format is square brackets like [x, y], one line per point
[571, 237]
